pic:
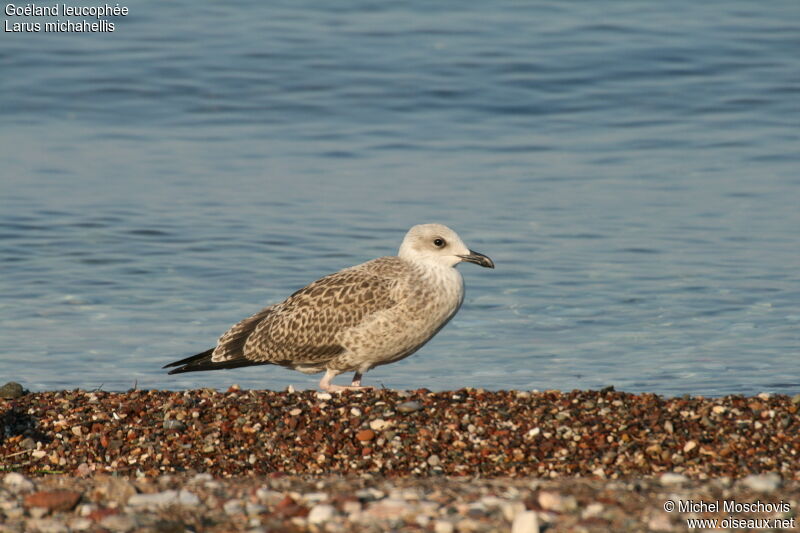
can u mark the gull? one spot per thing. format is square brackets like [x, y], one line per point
[361, 317]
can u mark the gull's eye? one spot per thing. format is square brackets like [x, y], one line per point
[439, 242]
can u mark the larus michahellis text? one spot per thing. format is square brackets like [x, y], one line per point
[361, 317]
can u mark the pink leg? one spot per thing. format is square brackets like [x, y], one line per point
[326, 385]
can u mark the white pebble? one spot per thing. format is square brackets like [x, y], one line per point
[553, 501]
[233, 506]
[163, 499]
[672, 478]
[17, 482]
[80, 524]
[46, 525]
[118, 522]
[762, 482]
[525, 522]
[443, 526]
[379, 424]
[320, 513]
[324, 396]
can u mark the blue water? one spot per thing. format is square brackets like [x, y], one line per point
[631, 167]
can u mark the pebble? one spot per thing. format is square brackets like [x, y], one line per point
[409, 407]
[553, 501]
[762, 482]
[321, 513]
[162, 499]
[443, 526]
[672, 478]
[53, 500]
[233, 507]
[380, 424]
[365, 435]
[47, 525]
[171, 423]
[11, 390]
[525, 522]
[17, 482]
[118, 522]
[660, 522]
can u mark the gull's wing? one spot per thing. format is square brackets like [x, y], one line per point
[305, 329]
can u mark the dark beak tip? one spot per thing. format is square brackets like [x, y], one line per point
[478, 259]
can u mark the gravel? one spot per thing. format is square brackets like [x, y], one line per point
[466, 460]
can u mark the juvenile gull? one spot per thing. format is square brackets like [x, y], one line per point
[371, 314]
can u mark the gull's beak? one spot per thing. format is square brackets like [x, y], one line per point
[478, 259]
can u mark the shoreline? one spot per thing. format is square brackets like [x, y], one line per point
[599, 460]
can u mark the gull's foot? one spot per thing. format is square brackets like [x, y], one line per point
[326, 385]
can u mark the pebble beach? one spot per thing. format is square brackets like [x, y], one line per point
[464, 460]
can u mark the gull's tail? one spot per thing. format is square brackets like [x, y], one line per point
[202, 361]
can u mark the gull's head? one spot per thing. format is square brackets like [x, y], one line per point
[437, 244]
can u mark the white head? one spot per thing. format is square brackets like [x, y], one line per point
[438, 244]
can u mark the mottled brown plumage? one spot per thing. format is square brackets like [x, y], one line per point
[368, 315]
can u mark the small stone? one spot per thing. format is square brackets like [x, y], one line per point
[762, 482]
[379, 424]
[324, 396]
[114, 489]
[16, 482]
[202, 477]
[163, 499]
[355, 411]
[296, 411]
[254, 508]
[79, 524]
[434, 460]
[659, 522]
[27, 443]
[53, 500]
[365, 435]
[525, 522]
[118, 522]
[796, 399]
[672, 478]
[171, 423]
[46, 525]
[409, 407]
[77, 431]
[387, 509]
[689, 446]
[593, 509]
[443, 526]
[11, 390]
[764, 395]
[320, 513]
[234, 506]
[553, 501]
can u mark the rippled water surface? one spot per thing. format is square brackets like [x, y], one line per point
[632, 168]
